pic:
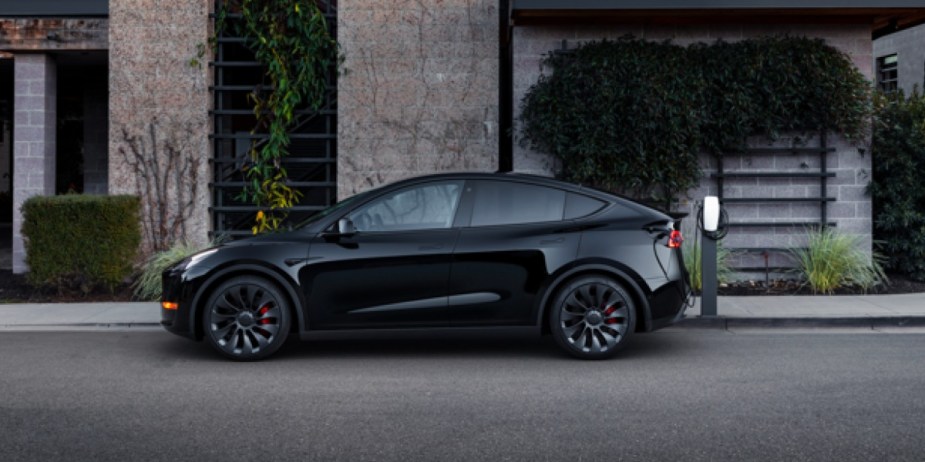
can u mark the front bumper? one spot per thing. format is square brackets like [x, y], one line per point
[180, 321]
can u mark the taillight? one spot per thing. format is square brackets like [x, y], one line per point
[675, 239]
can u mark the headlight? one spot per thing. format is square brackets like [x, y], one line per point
[191, 261]
[198, 257]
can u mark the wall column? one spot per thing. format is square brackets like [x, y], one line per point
[34, 119]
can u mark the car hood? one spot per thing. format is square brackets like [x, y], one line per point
[269, 238]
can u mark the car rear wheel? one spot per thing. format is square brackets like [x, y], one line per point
[246, 318]
[592, 317]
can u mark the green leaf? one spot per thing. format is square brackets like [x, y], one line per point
[296, 50]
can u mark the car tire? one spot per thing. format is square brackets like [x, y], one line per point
[246, 318]
[592, 317]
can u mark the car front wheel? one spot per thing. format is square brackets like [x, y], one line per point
[246, 318]
[592, 317]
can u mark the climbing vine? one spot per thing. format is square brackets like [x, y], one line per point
[632, 116]
[291, 39]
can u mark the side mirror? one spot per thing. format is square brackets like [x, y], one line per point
[345, 227]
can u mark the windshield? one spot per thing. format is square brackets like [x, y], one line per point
[340, 205]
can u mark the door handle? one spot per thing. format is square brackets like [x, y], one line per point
[552, 241]
[431, 247]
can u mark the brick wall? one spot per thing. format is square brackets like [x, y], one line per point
[420, 92]
[43, 34]
[852, 209]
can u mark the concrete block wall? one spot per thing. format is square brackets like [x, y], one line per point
[907, 46]
[851, 210]
[420, 90]
[34, 122]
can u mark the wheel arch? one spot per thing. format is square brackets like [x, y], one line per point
[619, 272]
[248, 269]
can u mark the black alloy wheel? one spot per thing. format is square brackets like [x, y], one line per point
[246, 318]
[592, 317]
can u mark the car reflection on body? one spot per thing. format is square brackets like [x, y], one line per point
[453, 251]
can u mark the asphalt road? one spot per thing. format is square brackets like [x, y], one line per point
[683, 395]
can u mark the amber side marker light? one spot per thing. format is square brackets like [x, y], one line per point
[169, 305]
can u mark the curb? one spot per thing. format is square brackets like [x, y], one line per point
[871, 322]
[697, 322]
[82, 326]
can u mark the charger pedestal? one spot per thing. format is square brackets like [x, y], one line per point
[708, 276]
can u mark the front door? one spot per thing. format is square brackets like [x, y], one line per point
[394, 272]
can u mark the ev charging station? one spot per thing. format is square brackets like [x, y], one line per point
[713, 230]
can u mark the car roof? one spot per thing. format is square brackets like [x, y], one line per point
[505, 176]
[534, 179]
[509, 177]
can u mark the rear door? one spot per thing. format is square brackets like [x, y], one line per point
[515, 239]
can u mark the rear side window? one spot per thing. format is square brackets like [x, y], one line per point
[503, 203]
[579, 205]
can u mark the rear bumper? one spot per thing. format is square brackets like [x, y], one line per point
[668, 304]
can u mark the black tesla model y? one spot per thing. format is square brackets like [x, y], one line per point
[452, 251]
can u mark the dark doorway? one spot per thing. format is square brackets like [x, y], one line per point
[6, 163]
[6, 148]
[82, 123]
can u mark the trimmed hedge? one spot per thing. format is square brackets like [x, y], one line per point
[90, 240]
[898, 159]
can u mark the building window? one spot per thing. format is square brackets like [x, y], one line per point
[887, 68]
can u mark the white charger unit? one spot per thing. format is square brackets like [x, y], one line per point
[710, 213]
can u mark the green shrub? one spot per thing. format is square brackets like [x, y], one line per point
[897, 189]
[632, 116]
[833, 260]
[693, 259]
[89, 240]
[148, 286]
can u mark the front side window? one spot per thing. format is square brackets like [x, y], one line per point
[504, 203]
[426, 206]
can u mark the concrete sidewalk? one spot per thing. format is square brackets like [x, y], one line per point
[734, 311]
[79, 316]
[873, 311]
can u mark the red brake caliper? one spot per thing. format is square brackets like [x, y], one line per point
[263, 311]
[607, 312]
